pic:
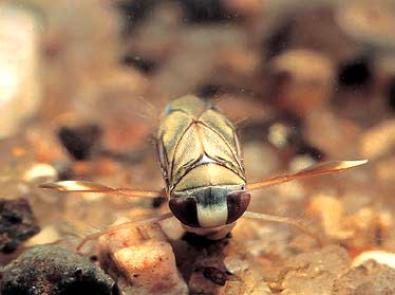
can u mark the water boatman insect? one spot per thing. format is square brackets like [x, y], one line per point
[201, 162]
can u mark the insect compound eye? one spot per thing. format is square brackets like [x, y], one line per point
[237, 205]
[184, 209]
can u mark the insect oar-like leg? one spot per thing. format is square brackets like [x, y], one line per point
[286, 220]
[114, 228]
[93, 187]
[319, 169]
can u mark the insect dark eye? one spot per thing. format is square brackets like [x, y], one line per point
[237, 205]
[184, 209]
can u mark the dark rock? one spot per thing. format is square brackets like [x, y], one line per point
[17, 223]
[205, 11]
[209, 90]
[54, 270]
[215, 275]
[80, 141]
[355, 73]
[311, 151]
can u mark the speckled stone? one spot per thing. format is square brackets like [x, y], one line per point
[54, 270]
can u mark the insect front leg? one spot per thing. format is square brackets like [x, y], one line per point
[114, 228]
[285, 220]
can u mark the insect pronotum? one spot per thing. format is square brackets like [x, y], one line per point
[202, 166]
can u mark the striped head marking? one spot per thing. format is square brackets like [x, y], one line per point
[209, 206]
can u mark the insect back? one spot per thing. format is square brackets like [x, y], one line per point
[201, 162]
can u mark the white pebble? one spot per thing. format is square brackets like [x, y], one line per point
[382, 257]
[40, 172]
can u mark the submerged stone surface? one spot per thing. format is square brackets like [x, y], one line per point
[315, 272]
[368, 278]
[141, 260]
[54, 270]
[17, 223]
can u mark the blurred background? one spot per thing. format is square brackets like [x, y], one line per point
[82, 84]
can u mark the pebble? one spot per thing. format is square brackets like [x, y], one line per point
[315, 272]
[379, 256]
[40, 172]
[54, 270]
[141, 260]
[17, 224]
[367, 279]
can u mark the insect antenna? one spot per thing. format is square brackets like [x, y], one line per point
[242, 122]
[319, 169]
[114, 228]
[286, 220]
[148, 111]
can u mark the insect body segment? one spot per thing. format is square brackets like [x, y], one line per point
[201, 162]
